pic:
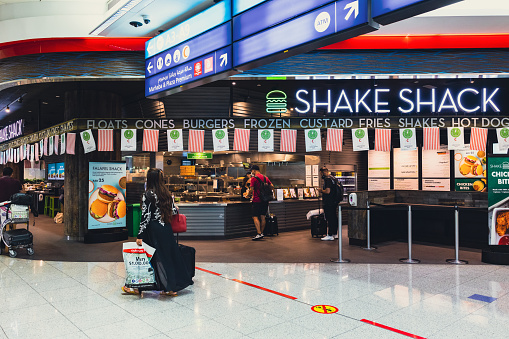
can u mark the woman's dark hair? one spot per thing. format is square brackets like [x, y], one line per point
[155, 183]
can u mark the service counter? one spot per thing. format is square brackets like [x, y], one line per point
[233, 219]
[432, 217]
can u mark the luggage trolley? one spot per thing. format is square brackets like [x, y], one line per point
[15, 238]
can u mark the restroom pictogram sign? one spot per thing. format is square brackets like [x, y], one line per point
[324, 309]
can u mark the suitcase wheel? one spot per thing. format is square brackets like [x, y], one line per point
[30, 251]
[13, 253]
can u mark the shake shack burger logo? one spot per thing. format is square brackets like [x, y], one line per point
[407, 133]
[276, 102]
[127, 134]
[312, 135]
[220, 134]
[86, 136]
[455, 132]
[265, 135]
[174, 135]
[359, 134]
[504, 133]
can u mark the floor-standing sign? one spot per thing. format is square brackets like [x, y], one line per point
[106, 195]
[498, 200]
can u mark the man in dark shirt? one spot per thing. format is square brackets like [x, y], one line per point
[330, 206]
[259, 207]
[8, 185]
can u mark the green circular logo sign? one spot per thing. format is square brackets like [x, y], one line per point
[128, 134]
[359, 134]
[174, 135]
[455, 132]
[407, 133]
[265, 135]
[504, 133]
[220, 134]
[312, 134]
[86, 136]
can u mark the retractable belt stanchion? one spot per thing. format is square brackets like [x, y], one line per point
[340, 239]
[368, 230]
[457, 260]
[409, 260]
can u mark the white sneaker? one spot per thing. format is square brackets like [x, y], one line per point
[257, 237]
[335, 236]
[329, 237]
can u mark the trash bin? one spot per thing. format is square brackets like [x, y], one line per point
[133, 219]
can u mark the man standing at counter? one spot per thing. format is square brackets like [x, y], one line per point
[330, 204]
[260, 204]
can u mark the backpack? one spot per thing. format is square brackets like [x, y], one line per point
[338, 190]
[265, 193]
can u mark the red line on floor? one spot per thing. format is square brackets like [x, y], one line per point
[264, 289]
[391, 329]
[204, 270]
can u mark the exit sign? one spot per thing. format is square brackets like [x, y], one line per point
[199, 155]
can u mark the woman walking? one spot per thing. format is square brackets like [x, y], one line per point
[155, 229]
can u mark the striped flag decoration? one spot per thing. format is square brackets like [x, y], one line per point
[150, 140]
[382, 139]
[478, 138]
[21, 155]
[334, 140]
[288, 140]
[105, 140]
[63, 143]
[241, 139]
[36, 151]
[196, 139]
[56, 143]
[32, 152]
[41, 147]
[50, 147]
[71, 143]
[431, 139]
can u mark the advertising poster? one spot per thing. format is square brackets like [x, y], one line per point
[470, 170]
[455, 138]
[128, 140]
[406, 163]
[313, 140]
[407, 139]
[502, 137]
[52, 170]
[498, 200]
[360, 139]
[175, 140]
[220, 139]
[379, 164]
[106, 195]
[60, 169]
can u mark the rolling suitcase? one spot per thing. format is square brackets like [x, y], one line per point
[318, 226]
[271, 227]
[18, 237]
[189, 255]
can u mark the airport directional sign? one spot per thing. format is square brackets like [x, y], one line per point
[336, 21]
[389, 11]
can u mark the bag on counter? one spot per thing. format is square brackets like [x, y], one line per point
[59, 218]
[139, 271]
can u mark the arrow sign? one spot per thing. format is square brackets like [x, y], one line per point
[149, 67]
[224, 59]
[354, 7]
[150, 46]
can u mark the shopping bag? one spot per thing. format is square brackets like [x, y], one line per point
[139, 271]
[59, 218]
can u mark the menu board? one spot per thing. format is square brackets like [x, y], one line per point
[406, 184]
[106, 195]
[436, 163]
[498, 200]
[187, 170]
[436, 184]
[52, 171]
[379, 184]
[379, 164]
[406, 164]
[470, 170]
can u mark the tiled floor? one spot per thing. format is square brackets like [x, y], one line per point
[45, 299]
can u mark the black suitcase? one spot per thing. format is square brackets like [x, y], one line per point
[318, 226]
[189, 255]
[18, 237]
[271, 226]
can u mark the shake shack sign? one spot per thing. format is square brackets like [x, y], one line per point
[11, 131]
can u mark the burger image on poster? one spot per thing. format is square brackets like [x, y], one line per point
[107, 204]
[276, 102]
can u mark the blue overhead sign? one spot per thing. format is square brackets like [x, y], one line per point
[271, 13]
[194, 48]
[243, 5]
[205, 66]
[338, 17]
[388, 11]
[196, 25]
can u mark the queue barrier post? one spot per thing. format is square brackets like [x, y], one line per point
[457, 260]
[409, 260]
[368, 229]
[340, 240]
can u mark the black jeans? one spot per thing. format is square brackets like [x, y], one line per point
[332, 218]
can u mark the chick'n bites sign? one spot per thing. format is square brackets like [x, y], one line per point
[106, 195]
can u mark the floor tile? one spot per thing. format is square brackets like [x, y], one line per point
[149, 305]
[204, 328]
[22, 301]
[218, 306]
[329, 325]
[27, 315]
[134, 328]
[249, 320]
[85, 303]
[49, 328]
[370, 331]
[285, 309]
[76, 292]
[172, 319]
[99, 317]
[287, 330]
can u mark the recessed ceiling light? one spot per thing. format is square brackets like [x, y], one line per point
[57, 96]
[234, 83]
[44, 103]
[8, 110]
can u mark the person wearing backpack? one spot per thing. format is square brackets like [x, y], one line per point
[261, 190]
[332, 194]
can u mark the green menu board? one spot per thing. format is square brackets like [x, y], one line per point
[498, 200]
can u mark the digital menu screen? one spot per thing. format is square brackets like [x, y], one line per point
[52, 171]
